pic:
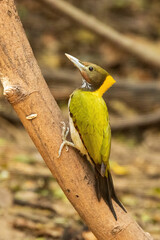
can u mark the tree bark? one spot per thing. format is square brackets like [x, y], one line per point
[26, 90]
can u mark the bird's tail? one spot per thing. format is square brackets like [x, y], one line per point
[105, 190]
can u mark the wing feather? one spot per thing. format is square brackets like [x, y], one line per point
[90, 117]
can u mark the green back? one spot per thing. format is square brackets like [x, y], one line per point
[90, 116]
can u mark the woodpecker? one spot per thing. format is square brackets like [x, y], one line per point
[90, 128]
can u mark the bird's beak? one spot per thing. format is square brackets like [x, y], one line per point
[76, 62]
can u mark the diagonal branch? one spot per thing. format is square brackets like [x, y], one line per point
[26, 90]
[144, 53]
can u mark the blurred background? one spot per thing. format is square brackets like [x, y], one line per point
[32, 206]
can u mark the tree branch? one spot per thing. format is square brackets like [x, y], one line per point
[144, 53]
[26, 90]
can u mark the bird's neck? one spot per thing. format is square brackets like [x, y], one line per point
[108, 82]
[86, 86]
[98, 90]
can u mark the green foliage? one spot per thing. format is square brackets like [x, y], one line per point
[156, 191]
[59, 194]
[3, 142]
[24, 158]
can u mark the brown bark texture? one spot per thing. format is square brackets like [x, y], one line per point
[26, 90]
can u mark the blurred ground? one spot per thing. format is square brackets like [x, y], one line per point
[32, 206]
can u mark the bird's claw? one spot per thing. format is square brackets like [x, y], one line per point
[65, 131]
[67, 148]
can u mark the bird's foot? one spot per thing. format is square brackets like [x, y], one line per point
[65, 131]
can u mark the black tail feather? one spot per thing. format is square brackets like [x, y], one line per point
[98, 186]
[113, 193]
[105, 189]
[108, 198]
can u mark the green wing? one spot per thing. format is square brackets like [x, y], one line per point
[90, 117]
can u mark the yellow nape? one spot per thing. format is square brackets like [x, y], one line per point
[108, 82]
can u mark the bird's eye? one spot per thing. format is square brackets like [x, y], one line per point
[90, 68]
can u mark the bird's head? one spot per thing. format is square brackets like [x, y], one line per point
[94, 77]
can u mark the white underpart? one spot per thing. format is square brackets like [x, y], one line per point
[77, 142]
[76, 137]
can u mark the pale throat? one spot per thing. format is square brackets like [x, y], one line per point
[86, 85]
[108, 82]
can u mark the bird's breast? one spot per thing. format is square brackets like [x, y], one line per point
[75, 136]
